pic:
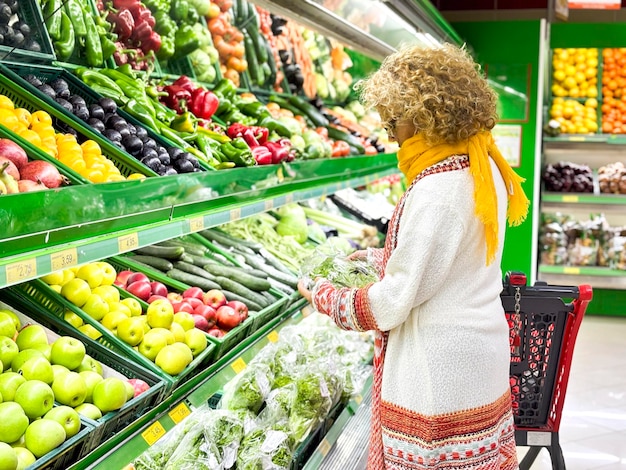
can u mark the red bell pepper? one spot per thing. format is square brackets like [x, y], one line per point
[185, 82]
[204, 103]
[119, 4]
[262, 155]
[123, 22]
[279, 152]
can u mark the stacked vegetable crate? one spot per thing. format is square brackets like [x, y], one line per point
[25, 38]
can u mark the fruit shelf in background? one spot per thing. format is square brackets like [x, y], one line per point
[584, 198]
[123, 216]
[597, 276]
[131, 442]
[614, 139]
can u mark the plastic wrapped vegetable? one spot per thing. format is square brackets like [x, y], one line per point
[223, 432]
[281, 358]
[312, 403]
[265, 449]
[247, 391]
[278, 405]
[338, 269]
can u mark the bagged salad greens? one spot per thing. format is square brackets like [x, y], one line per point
[334, 266]
[247, 391]
[266, 448]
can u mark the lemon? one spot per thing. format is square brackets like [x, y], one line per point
[570, 70]
[6, 102]
[569, 83]
[591, 103]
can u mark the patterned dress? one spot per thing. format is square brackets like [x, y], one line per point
[440, 396]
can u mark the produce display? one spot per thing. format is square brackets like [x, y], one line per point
[612, 178]
[574, 117]
[15, 30]
[613, 90]
[568, 177]
[575, 72]
[272, 406]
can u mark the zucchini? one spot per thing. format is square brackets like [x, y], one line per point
[186, 258]
[159, 263]
[193, 269]
[237, 274]
[276, 284]
[192, 280]
[190, 248]
[275, 262]
[337, 134]
[228, 240]
[314, 114]
[251, 58]
[269, 297]
[200, 261]
[243, 291]
[255, 272]
[251, 305]
[271, 64]
[168, 252]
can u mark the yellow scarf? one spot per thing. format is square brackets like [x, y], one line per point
[415, 155]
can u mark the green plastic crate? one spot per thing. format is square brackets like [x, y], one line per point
[30, 13]
[114, 421]
[25, 99]
[56, 305]
[222, 345]
[68, 452]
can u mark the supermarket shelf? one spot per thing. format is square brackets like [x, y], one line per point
[615, 139]
[169, 210]
[596, 276]
[584, 198]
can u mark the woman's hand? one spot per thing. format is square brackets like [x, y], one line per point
[358, 255]
[306, 293]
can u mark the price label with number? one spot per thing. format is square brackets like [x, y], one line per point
[64, 259]
[179, 412]
[273, 336]
[155, 432]
[235, 214]
[20, 271]
[128, 242]
[571, 270]
[324, 447]
[196, 224]
[238, 365]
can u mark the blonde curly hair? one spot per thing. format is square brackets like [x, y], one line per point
[441, 91]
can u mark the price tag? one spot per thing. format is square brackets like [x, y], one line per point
[155, 432]
[269, 204]
[570, 198]
[179, 413]
[64, 259]
[128, 242]
[196, 224]
[235, 214]
[289, 198]
[238, 365]
[273, 336]
[571, 270]
[324, 447]
[358, 399]
[577, 138]
[16, 272]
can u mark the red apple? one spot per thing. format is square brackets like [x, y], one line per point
[153, 297]
[175, 297]
[13, 152]
[194, 292]
[134, 277]
[122, 277]
[182, 307]
[139, 385]
[140, 289]
[214, 298]
[158, 288]
[227, 317]
[207, 312]
[200, 322]
[240, 308]
[216, 332]
[194, 302]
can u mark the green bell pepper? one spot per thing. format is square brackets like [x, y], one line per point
[164, 24]
[167, 49]
[179, 10]
[185, 40]
[225, 89]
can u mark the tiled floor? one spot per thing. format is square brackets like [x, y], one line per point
[593, 427]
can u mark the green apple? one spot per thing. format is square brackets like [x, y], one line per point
[185, 349]
[95, 307]
[24, 356]
[130, 330]
[46, 349]
[152, 343]
[112, 319]
[185, 319]
[25, 458]
[16, 320]
[37, 368]
[146, 327]
[20, 442]
[8, 351]
[73, 319]
[91, 378]
[68, 352]
[76, 291]
[8, 457]
[89, 410]
[14, 421]
[108, 293]
[55, 277]
[120, 307]
[9, 381]
[58, 370]
[68, 275]
[196, 340]
[160, 313]
[43, 435]
[89, 331]
[92, 273]
[133, 305]
[35, 397]
[130, 390]
[69, 389]
[89, 363]
[108, 273]
[109, 394]
[178, 331]
[171, 339]
[173, 359]
[30, 336]
[67, 417]
[7, 326]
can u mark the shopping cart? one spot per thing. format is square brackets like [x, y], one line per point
[543, 323]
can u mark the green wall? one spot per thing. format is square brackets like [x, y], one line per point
[513, 47]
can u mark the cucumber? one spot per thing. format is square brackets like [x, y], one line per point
[193, 269]
[251, 305]
[273, 273]
[186, 258]
[309, 110]
[169, 252]
[241, 290]
[228, 240]
[237, 274]
[275, 262]
[200, 261]
[269, 297]
[251, 58]
[159, 263]
[336, 134]
[192, 280]
[276, 284]
[254, 272]
[190, 248]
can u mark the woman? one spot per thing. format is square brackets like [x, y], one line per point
[441, 395]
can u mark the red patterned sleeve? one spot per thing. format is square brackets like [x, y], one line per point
[348, 307]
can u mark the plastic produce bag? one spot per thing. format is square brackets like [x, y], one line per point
[281, 358]
[247, 391]
[223, 432]
[265, 449]
[337, 268]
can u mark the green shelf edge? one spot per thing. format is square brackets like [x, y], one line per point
[126, 445]
[581, 271]
[612, 139]
[584, 198]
